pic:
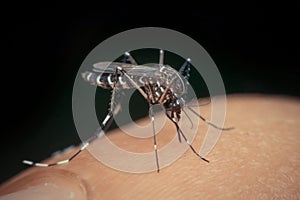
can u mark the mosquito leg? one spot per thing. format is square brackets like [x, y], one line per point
[150, 110]
[173, 119]
[192, 125]
[113, 110]
[130, 58]
[150, 92]
[208, 122]
[161, 57]
[99, 132]
[162, 97]
[200, 104]
[154, 136]
[178, 134]
[184, 137]
[185, 69]
[105, 124]
[113, 94]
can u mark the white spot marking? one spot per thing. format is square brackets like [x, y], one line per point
[62, 162]
[88, 76]
[98, 80]
[109, 80]
[105, 120]
[121, 80]
[162, 89]
[27, 162]
[41, 165]
[162, 68]
[141, 80]
[84, 146]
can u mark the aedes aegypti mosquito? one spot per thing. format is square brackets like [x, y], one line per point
[158, 84]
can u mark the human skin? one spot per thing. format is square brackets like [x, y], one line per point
[259, 159]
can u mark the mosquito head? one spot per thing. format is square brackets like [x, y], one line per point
[173, 104]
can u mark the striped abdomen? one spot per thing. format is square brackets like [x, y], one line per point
[107, 80]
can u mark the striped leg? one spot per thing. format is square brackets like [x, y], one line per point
[184, 137]
[150, 111]
[192, 125]
[84, 145]
[99, 132]
[154, 136]
[178, 118]
[207, 121]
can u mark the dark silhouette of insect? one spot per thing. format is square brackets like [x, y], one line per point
[158, 84]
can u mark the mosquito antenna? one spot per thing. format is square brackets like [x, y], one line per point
[208, 122]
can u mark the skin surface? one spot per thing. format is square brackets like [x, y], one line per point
[259, 159]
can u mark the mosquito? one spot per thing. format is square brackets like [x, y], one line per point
[158, 84]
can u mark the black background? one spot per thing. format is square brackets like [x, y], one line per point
[255, 46]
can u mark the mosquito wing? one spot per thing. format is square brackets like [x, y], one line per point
[135, 70]
[140, 74]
